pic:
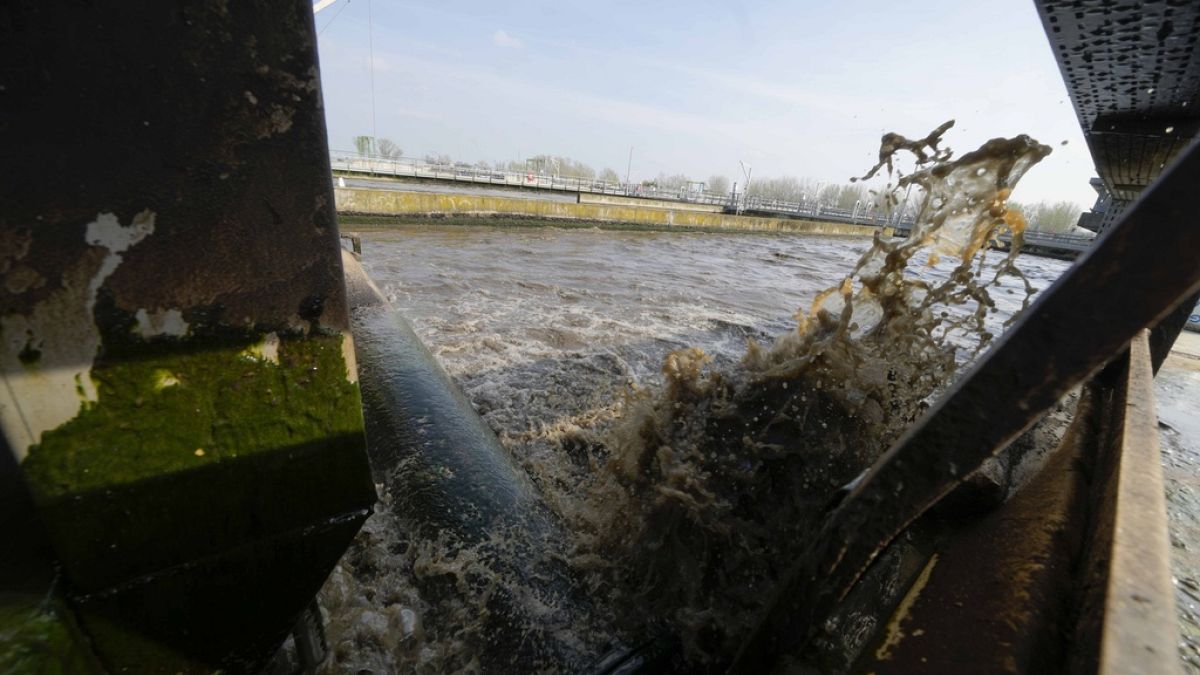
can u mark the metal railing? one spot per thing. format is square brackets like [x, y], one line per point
[1065, 242]
[411, 167]
[419, 168]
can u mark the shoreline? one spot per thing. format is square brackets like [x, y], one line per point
[364, 222]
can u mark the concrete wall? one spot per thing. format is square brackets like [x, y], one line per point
[391, 202]
[616, 200]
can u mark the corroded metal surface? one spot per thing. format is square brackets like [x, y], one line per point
[1139, 633]
[180, 391]
[1133, 72]
[995, 596]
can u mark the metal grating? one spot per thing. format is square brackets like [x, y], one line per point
[1133, 72]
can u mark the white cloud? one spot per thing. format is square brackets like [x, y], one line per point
[505, 41]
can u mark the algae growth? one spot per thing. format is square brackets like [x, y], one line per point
[38, 636]
[180, 437]
[171, 409]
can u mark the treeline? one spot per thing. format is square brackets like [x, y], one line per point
[1058, 217]
[792, 189]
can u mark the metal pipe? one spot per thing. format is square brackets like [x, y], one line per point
[451, 480]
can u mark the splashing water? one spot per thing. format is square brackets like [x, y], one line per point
[712, 483]
[684, 511]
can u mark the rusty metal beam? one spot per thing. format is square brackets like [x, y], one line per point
[177, 382]
[1139, 632]
[1133, 73]
[1134, 276]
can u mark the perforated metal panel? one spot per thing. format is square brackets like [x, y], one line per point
[1133, 73]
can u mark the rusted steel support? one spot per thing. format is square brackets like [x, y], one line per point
[1139, 630]
[1164, 334]
[995, 595]
[177, 383]
[1135, 275]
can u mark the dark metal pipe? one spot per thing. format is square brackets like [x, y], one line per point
[425, 439]
[450, 478]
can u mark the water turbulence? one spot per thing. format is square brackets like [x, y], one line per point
[683, 512]
[706, 489]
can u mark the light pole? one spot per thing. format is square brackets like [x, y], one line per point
[746, 171]
[628, 166]
[904, 206]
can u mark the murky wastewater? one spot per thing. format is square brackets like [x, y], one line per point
[546, 330]
[688, 406]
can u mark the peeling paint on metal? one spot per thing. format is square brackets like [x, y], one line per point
[267, 350]
[46, 355]
[165, 322]
[349, 357]
[22, 278]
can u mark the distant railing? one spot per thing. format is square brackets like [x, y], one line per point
[811, 208]
[1067, 242]
[418, 168]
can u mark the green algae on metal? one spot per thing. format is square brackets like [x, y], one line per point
[38, 636]
[173, 410]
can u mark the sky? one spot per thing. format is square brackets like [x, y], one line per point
[788, 88]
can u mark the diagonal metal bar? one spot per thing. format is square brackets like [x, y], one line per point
[1132, 278]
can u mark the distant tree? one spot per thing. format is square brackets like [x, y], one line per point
[829, 195]
[783, 188]
[718, 185]
[557, 165]
[609, 176]
[1056, 218]
[365, 146]
[674, 182]
[438, 158]
[851, 195]
[387, 149]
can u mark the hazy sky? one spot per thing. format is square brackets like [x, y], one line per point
[791, 88]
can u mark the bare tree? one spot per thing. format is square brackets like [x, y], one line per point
[718, 185]
[552, 165]
[609, 176]
[387, 149]
[675, 182]
[365, 145]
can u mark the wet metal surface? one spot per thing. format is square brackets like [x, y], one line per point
[1140, 631]
[1133, 73]
[179, 394]
[1080, 323]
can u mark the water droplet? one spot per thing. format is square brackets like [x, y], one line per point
[1169, 129]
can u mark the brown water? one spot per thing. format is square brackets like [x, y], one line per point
[545, 329]
[688, 404]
